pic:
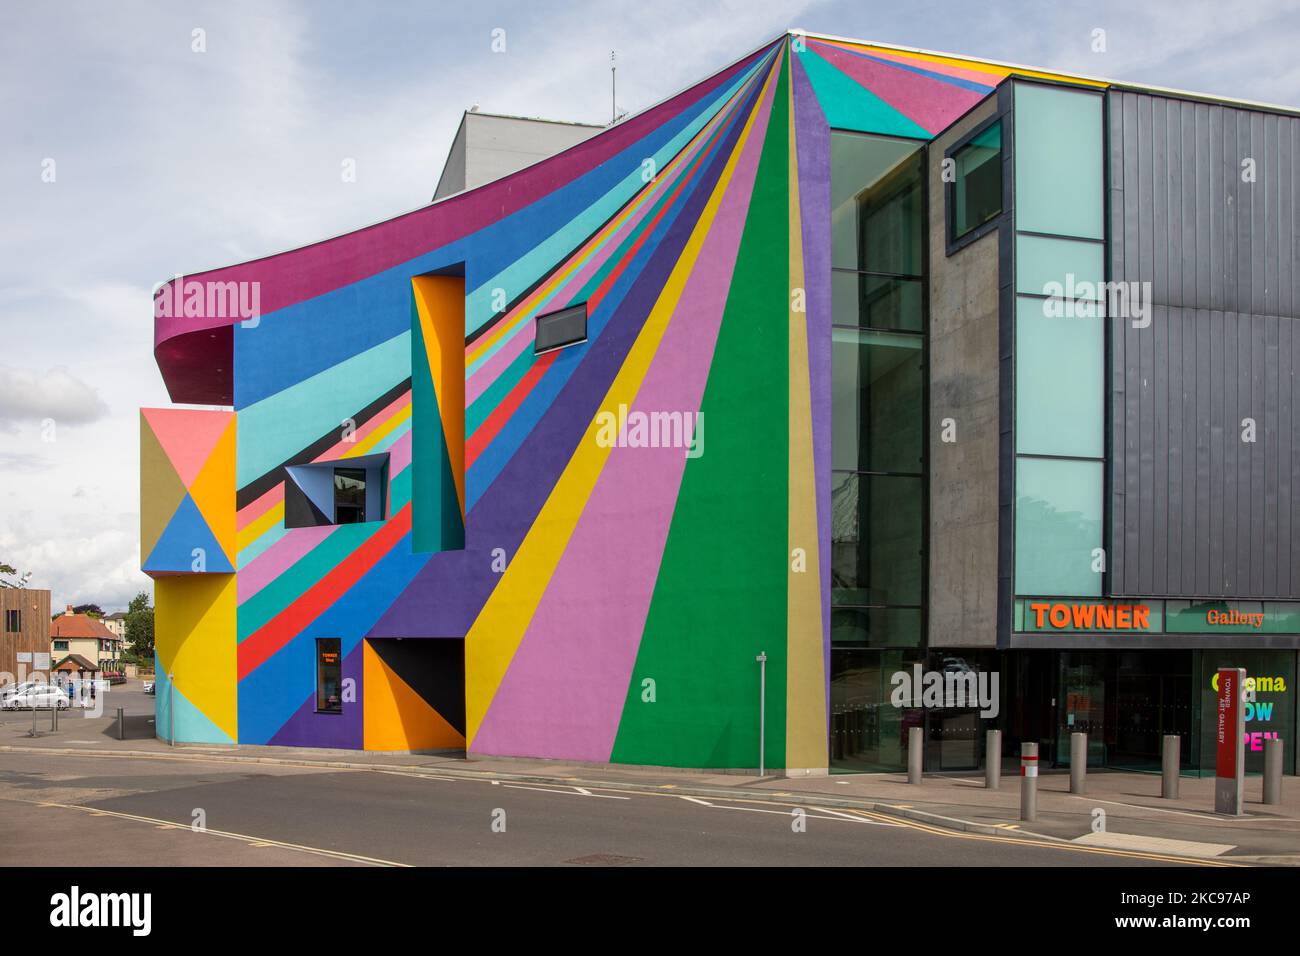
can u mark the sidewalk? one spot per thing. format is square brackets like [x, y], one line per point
[1135, 816]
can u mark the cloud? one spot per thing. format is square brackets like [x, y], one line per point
[56, 395]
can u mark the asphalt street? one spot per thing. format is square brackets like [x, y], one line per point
[141, 811]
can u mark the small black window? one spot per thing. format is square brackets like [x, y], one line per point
[558, 329]
[329, 676]
[13, 621]
[975, 193]
[349, 495]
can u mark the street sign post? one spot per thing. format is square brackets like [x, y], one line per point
[1230, 745]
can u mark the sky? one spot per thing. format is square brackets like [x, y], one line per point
[128, 155]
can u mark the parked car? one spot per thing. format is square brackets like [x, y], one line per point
[8, 690]
[39, 697]
[148, 687]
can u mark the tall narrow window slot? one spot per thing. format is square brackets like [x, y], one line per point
[329, 676]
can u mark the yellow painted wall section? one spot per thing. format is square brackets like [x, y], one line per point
[805, 711]
[394, 716]
[195, 637]
[440, 303]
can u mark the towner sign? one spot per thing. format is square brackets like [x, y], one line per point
[1091, 617]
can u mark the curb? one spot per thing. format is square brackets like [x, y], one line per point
[785, 797]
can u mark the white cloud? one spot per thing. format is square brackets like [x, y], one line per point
[54, 396]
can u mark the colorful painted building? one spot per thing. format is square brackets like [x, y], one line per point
[457, 489]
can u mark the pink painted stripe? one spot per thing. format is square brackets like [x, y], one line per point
[340, 449]
[931, 103]
[564, 691]
[399, 455]
[251, 512]
[956, 72]
[277, 559]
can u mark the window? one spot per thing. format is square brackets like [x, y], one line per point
[13, 621]
[349, 495]
[558, 329]
[329, 676]
[339, 491]
[877, 232]
[975, 194]
[60, 645]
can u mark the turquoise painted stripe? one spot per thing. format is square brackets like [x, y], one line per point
[281, 425]
[849, 105]
[255, 548]
[304, 573]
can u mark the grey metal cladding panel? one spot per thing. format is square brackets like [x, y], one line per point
[1194, 510]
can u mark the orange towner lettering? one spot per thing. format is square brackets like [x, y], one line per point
[1089, 617]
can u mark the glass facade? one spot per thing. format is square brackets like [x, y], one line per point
[877, 448]
[1060, 345]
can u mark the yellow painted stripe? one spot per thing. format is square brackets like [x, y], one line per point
[805, 720]
[495, 635]
[255, 529]
[995, 70]
[379, 434]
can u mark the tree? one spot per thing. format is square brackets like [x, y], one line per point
[139, 629]
[94, 610]
[10, 578]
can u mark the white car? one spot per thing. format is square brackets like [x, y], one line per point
[37, 696]
[8, 690]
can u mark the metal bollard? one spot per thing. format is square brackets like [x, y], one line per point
[121, 724]
[992, 759]
[1029, 782]
[1170, 753]
[1078, 762]
[1273, 770]
[915, 754]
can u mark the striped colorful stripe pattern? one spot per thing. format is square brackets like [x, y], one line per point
[606, 602]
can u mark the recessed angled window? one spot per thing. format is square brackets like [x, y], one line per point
[555, 330]
[975, 194]
[345, 491]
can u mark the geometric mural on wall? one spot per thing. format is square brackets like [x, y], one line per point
[696, 235]
[187, 468]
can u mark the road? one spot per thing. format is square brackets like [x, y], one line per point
[140, 811]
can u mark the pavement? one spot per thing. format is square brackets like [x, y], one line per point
[1119, 812]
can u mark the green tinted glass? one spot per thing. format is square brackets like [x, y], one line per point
[877, 396]
[1058, 164]
[1060, 407]
[1058, 526]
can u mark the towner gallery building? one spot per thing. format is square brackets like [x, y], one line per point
[854, 356]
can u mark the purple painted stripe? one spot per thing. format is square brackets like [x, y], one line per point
[564, 692]
[812, 151]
